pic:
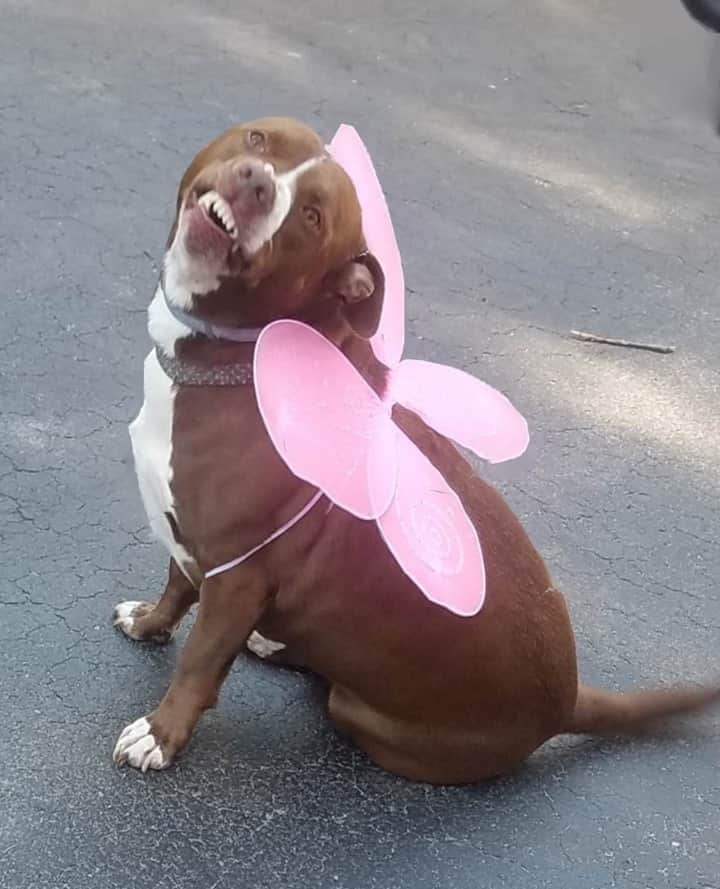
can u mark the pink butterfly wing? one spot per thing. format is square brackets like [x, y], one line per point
[462, 407]
[327, 424]
[428, 531]
[348, 149]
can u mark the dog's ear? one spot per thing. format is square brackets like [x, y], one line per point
[360, 286]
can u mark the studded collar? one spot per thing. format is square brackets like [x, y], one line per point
[187, 373]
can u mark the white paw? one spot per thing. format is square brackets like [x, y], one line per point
[262, 647]
[137, 747]
[124, 617]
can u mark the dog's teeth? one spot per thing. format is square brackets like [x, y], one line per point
[214, 203]
[207, 200]
[225, 213]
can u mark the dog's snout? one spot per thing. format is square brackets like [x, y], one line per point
[256, 179]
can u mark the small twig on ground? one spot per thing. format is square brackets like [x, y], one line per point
[627, 344]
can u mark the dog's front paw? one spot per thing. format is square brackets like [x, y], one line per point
[138, 747]
[135, 620]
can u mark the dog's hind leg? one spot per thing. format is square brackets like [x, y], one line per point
[157, 621]
[265, 649]
[274, 652]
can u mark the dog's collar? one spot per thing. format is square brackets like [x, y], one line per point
[188, 373]
[206, 328]
[185, 373]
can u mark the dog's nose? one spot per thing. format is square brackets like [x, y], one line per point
[256, 179]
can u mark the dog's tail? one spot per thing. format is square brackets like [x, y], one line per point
[599, 712]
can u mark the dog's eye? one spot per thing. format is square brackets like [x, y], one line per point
[256, 139]
[312, 216]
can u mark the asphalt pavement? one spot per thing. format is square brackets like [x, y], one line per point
[550, 166]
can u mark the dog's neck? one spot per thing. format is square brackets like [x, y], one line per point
[195, 352]
[208, 328]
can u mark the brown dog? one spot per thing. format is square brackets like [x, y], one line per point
[269, 227]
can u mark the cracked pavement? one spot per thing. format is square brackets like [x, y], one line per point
[549, 166]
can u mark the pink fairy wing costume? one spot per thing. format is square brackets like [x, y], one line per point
[348, 149]
[334, 432]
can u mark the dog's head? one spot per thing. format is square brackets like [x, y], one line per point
[268, 226]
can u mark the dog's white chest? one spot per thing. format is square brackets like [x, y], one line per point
[151, 437]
